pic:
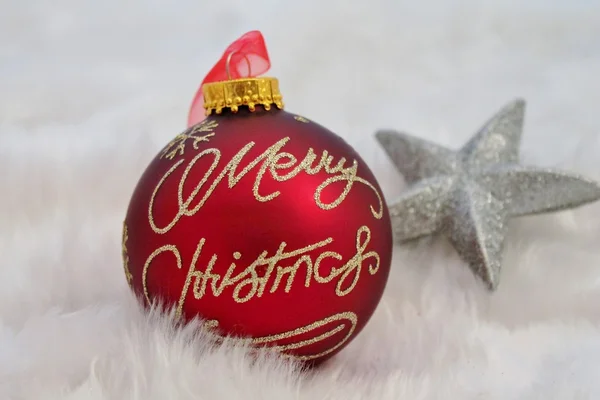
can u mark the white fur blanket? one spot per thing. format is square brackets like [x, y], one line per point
[91, 90]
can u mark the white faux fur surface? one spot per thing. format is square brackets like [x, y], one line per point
[90, 91]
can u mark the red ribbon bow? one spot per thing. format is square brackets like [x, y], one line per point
[246, 57]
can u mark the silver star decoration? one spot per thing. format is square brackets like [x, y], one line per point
[468, 195]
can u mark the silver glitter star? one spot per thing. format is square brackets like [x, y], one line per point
[468, 195]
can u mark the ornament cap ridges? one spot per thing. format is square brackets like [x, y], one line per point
[235, 93]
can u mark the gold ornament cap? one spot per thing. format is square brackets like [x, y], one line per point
[250, 92]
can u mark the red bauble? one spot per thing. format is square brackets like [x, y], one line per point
[266, 225]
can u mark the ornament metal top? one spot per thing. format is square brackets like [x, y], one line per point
[249, 92]
[468, 195]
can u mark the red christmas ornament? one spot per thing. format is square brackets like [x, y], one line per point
[263, 223]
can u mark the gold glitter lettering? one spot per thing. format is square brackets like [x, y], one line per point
[344, 320]
[151, 257]
[273, 160]
[249, 283]
[282, 271]
[301, 119]
[125, 256]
